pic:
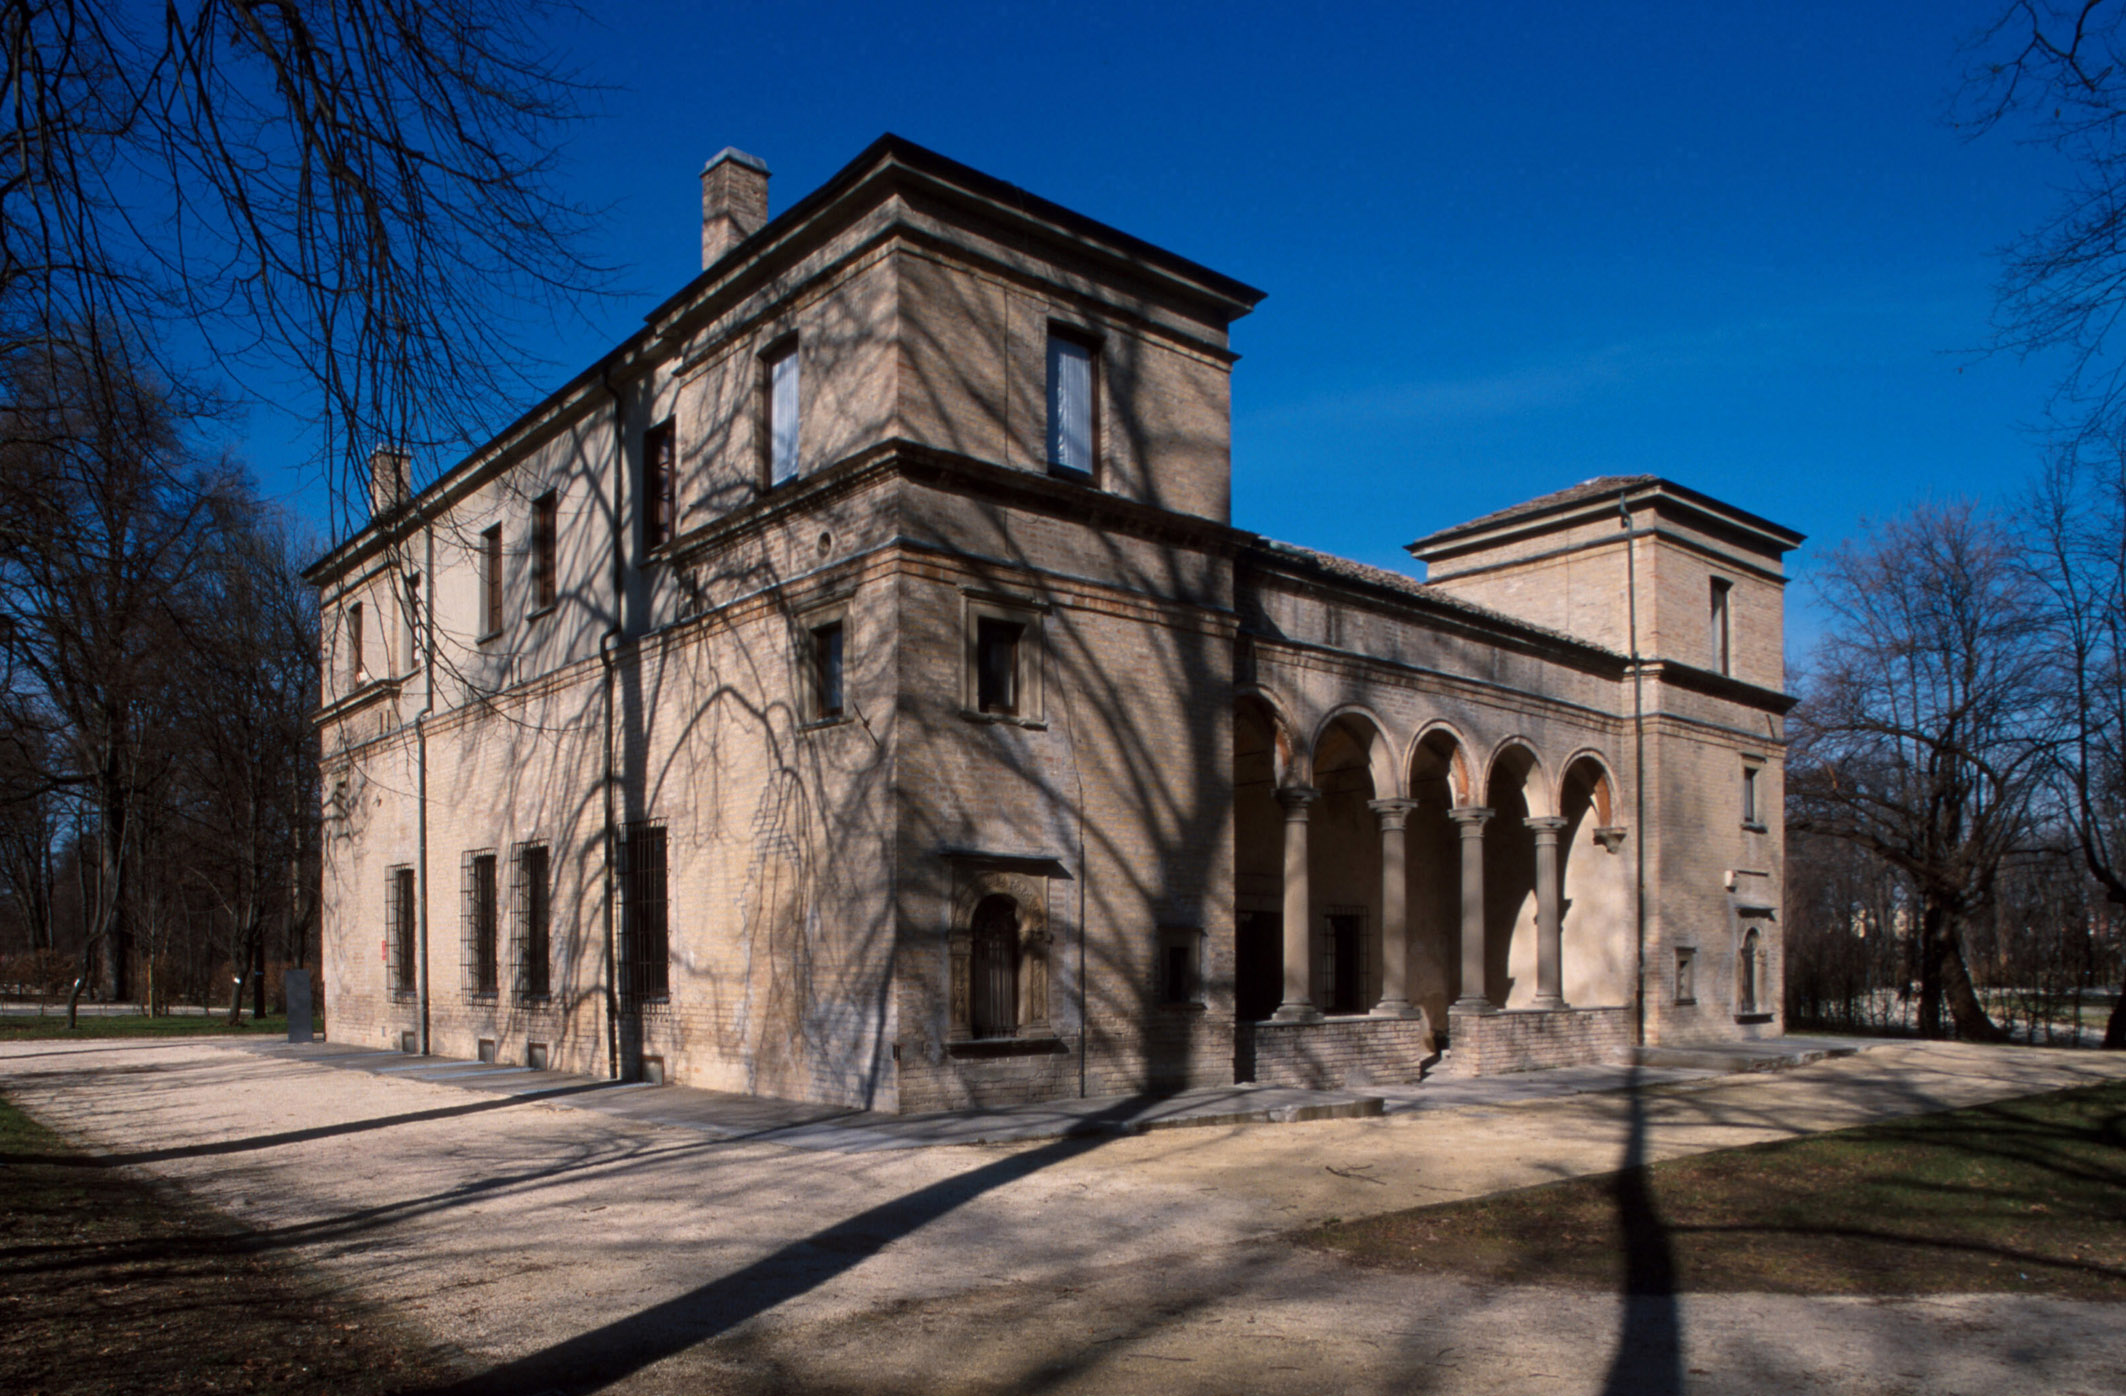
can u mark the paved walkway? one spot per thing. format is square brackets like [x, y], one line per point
[726, 1116]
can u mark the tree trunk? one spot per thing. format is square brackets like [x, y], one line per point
[2115, 1026]
[1965, 1011]
[1931, 918]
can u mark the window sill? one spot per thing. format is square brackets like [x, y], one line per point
[822, 724]
[1007, 1047]
[405, 995]
[1686, 1003]
[541, 1000]
[1031, 724]
[543, 612]
[489, 638]
[1753, 1017]
[1071, 473]
[482, 997]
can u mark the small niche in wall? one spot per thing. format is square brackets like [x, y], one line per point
[487, 1049]
[409, 1043]
[652, 1071]
[535, 1056]
[1686, 974]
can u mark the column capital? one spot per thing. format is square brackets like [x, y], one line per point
[1546, 826]
[1296, 798]
[1610, 836]
[1471, 818]
[1392, 812]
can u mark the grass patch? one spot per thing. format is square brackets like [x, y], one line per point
[30, 1027]
[110, 1284]
[2025, 1196]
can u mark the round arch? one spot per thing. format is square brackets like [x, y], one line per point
[1592, 767]
[1440, 752]
[1515, 759]
[1364, 729]
[1291, 756]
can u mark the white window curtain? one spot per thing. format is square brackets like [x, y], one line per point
[782, 418]
[1070, 404]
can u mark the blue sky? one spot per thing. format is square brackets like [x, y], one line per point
[1507, 247]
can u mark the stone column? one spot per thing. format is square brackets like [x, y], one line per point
[1394, 910]
[1298, 1005]
[1471, 819]
[1549, 952]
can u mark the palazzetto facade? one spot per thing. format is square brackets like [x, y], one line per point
[851, 688]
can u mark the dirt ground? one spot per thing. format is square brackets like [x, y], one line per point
[567, 1250]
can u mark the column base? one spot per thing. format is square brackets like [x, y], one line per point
[1296, 1013]
[1394, 1008]
[1550, 1003]
[1476, 1004]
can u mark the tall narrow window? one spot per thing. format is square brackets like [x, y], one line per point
[1722, 637]
[995, 967]
[412, 628]
[354, 645]
[545, 520]
[1748, 972]
[827, 671]
[534, 922]
[645, 971]
[1070, 404]
[785, 414]
[996, 661]
[660, 484]
[481, 974]
[491, 581]
[399, 929]
[1749, 796]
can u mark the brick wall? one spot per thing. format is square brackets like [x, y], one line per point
[1487, 1044]
[1333, 1054]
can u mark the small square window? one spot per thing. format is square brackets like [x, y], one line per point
[545, 541]
[1003, 660]
[660, 485]
[491, 582]
[1686, 975]
[785, 410]
[1180, 965]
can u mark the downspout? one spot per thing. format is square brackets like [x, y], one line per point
[425, 618]
[608, 648]
[1638, 770]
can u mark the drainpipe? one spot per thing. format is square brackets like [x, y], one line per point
[608, 658]
[1638, 772]
[425, 618]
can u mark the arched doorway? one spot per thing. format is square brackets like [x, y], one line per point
[1598, 938]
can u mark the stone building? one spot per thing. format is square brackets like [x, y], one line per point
[852, 688]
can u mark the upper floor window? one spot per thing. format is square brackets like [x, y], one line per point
[827, 671]
[1070, 404]
[412, 630]
[546, 512]
[660, 484]
[1751, 815]
[354, 645]
[785, 412]
[996, 665]
[491, 582]
[1721, 631]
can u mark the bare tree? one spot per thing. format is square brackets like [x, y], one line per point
[103, 519]
[1921, 735]
[351, 195]
[2077, 529]
[2056, 74]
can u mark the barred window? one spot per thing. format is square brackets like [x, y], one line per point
[995, 975]
[660, 489]
[645, 951]
[399, 930]
[534, 940]
[480, 957]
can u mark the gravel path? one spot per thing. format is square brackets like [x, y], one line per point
[568, 1250]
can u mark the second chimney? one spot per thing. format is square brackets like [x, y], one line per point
[389, 488]
[734, 202]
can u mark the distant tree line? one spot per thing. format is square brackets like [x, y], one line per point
[158, 667]
[1956, 788]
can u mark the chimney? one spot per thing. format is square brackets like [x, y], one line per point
[734, 202]
[388, 490]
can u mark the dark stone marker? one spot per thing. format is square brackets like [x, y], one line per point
[295, 984]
